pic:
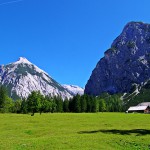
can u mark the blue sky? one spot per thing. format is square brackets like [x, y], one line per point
[66, 38]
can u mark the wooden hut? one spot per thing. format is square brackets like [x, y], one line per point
[139, 109]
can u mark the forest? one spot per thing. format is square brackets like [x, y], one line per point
[36, 102]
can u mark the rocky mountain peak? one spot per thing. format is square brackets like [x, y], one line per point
[126, 62]
[22, 60]
[22, 77]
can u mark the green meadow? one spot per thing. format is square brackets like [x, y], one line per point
[73, 131]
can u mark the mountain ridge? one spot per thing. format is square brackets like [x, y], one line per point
[125, 63]
[22, 77]
[74, 89]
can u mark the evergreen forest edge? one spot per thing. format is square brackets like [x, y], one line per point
[36, 102]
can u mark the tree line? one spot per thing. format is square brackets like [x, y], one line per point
[36, 102]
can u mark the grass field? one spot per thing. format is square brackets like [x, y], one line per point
[86, 131]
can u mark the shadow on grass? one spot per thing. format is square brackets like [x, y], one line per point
[138, 132]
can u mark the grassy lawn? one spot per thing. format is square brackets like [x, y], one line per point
[63, 131]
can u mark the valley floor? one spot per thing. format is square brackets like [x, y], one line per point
[70, 131]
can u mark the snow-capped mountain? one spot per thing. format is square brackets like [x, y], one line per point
[23, 77]
[73, 89]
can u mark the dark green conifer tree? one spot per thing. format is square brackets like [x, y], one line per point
[83, 103]
[3, 96]
[66, 105]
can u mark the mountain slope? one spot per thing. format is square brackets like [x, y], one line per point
[22, 77]
[125, 64]
[73, 89]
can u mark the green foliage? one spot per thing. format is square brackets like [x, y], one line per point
[89, 103]
[24, 107]
[66, 105]
[9, 87]
[6, 103]
[105, 102]
[17, 106]
[102, 105]
[46, 104]
[143, 96]
[133, 99]
[110, 103]
[83, 103]
[3, 96]
[95, 107]
[114, 104]
[59, 104]
[14, 96]
[77, 105]
[34, 102]
[54, 106]
[10, 93]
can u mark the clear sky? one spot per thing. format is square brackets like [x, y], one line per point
[66, 38]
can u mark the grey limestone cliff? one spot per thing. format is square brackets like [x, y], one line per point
[125, 64]
[22, 77]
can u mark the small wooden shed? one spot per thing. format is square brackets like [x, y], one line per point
[139, 109]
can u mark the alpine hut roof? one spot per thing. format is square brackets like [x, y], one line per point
[144, 104]
[136, 108]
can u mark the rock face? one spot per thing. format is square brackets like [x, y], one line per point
[23, 77]
[74, 89]
[125, 64]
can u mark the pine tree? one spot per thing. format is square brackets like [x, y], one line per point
[83, 103]
[89, 103]
[77, 105]
[102, 105]
[95, 105]
[54, 106]
[3, 96]
[66, 105]
[59, 103]
[24, 106]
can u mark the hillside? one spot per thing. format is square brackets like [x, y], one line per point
[22, 77]
[125, 65]
[74, 89]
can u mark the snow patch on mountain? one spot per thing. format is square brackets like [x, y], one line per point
[23, 77]
[73, 89]
[23, 60]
